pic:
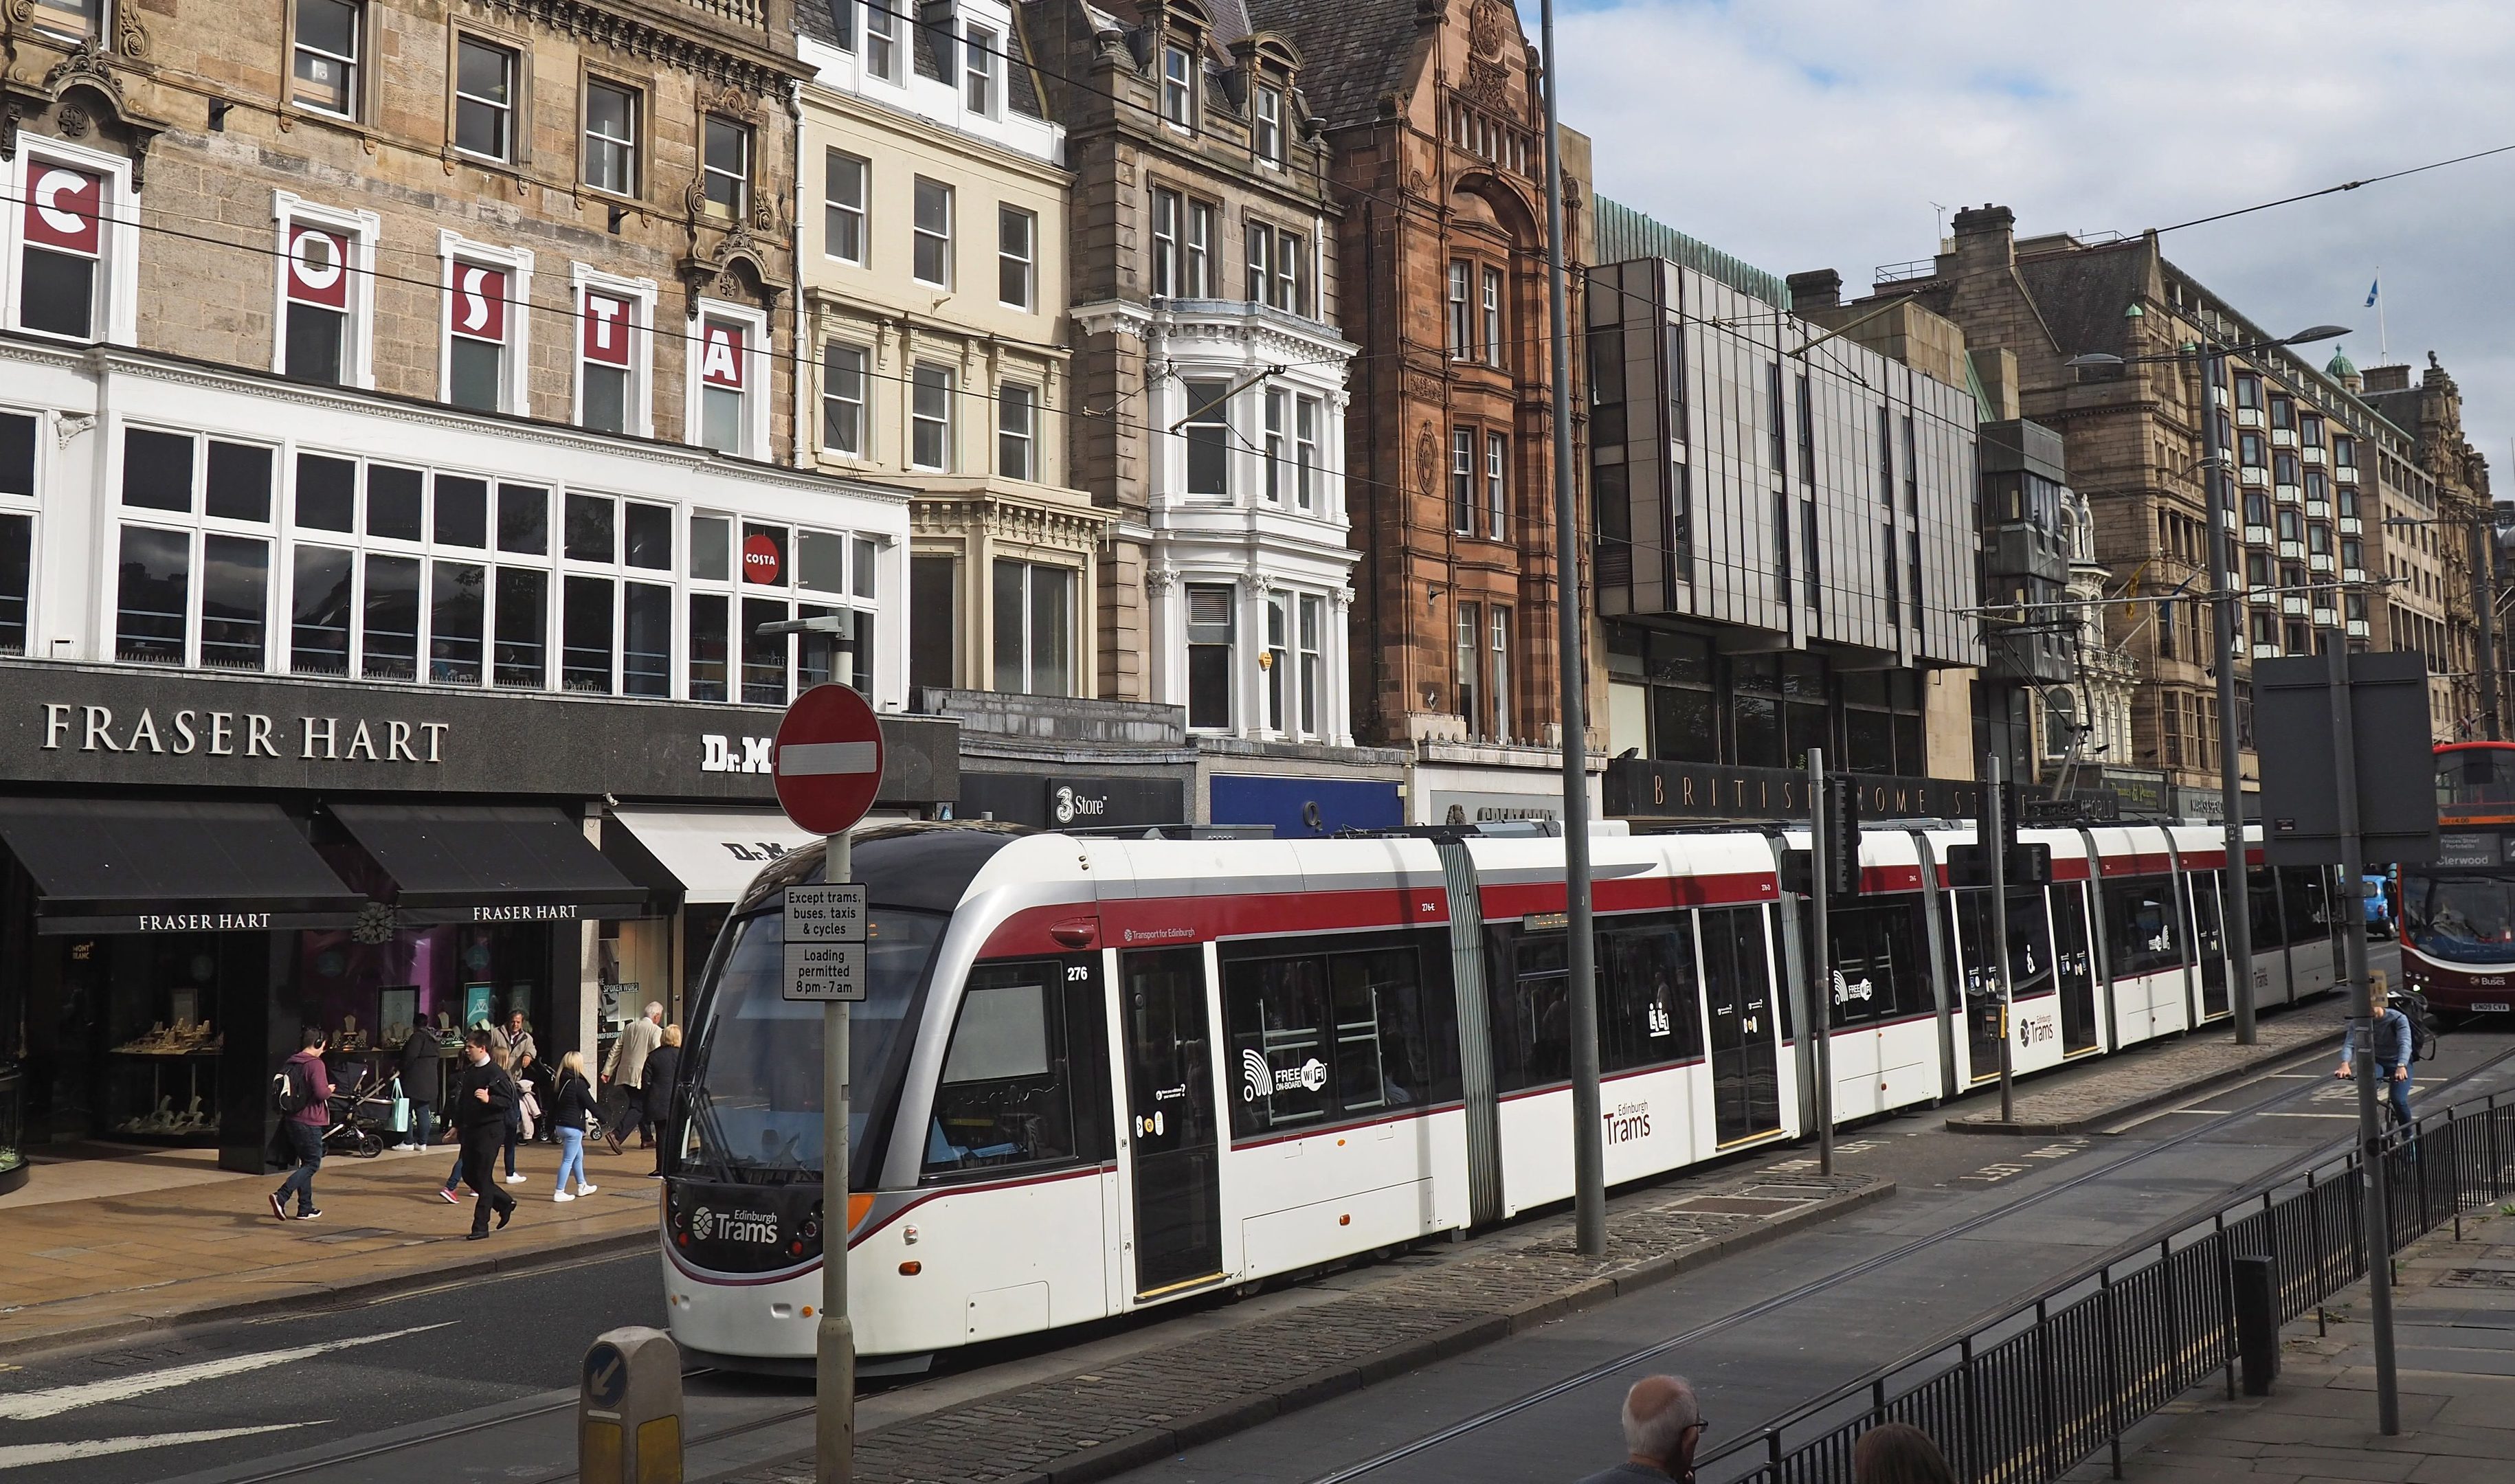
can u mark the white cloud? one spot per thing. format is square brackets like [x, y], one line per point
[1802, 134]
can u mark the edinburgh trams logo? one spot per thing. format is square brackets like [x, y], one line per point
[754, 1226]
[1260, 1080]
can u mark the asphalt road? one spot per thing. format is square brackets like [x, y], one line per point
[369, 1392]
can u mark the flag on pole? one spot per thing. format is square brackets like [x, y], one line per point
[2372, 284]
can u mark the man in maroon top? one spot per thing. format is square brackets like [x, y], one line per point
[303, 1128]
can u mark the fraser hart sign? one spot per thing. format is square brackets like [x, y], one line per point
[117, 726]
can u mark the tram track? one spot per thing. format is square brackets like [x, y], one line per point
[1589, 1375]
[1713, 1327]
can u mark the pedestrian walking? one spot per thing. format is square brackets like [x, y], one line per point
[1898, 1453]
[571, 1099]
[1663, 1425]
[304, 1091]
[2391, 1036]
[423, 1086]
[515, 1109]
[663, 1063]
[626, 1071]
[483, 1097]
[514, 1117]
[524, 1062]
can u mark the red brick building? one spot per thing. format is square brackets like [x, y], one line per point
[1437, 134]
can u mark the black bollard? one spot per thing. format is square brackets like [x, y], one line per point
[2257, 1325]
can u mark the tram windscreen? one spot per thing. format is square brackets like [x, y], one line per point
[755, 1111]
[2469, 918]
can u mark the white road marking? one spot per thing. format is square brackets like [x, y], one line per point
[2352, 1116]
[27, 1454]
[28, 1406]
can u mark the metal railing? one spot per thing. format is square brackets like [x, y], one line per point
[2033, 1395]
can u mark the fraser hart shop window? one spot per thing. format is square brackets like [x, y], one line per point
[235, 555]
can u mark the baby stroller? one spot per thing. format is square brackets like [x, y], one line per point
[348, 1127]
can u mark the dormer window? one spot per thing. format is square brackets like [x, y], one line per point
[982, 49]
[1178, 87]
[1267, 125]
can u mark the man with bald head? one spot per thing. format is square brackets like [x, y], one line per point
[1662, 1425]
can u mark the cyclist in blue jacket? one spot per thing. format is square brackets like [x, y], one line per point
[2392, 1046]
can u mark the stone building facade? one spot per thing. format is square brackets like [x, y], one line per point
[2433, 503]
[402, 252]
[2302, 444]
[1210, 397]
[934, 242]
[1437, 132]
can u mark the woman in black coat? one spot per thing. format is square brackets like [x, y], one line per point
[423, 1083]
[663, 1063]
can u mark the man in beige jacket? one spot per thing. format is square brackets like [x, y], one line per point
[626, 1072]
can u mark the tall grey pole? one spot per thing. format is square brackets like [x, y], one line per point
[833, 1425]
[2484, 607]
[2235, 902]
[1996, 850]
[2353, 936]
[1820, 1027]
[1588, 1150]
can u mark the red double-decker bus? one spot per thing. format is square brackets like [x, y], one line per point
[2458, 911]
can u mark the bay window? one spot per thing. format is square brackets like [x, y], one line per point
[1209, 439]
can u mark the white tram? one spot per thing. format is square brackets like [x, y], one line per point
[1098, 1074]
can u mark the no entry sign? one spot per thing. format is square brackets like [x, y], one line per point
[827, 759]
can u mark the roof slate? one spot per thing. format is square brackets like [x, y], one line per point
[1352, 50]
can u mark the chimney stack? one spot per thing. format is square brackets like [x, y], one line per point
[1818, 289]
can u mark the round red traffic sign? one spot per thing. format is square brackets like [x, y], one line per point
[827, 758]
[760, 562]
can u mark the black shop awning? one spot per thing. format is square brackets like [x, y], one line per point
[136, 865]
[456, 863]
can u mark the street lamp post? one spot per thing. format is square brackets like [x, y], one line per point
[2236, 906]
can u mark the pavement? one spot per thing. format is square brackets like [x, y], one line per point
[2454, 1336]
[2146, 1078]
[148, 1239]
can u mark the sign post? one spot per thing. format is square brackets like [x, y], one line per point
[1998, 833]
[827, 760]
[2347, 773]
[1821, 875]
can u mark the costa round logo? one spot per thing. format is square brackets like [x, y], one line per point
[759, 561]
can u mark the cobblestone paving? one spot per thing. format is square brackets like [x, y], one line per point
[1429, 1304]
[2119, 1087]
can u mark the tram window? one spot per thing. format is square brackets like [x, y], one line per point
[2262, 897]
[2308, 917]
[1532, 1012]
[1649, 1008]
[1883, 972]
[2141, 932]
[1334, 1034]
[2029, 940]
[1008, 1091]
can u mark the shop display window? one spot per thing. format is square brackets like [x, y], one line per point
[136, 1032]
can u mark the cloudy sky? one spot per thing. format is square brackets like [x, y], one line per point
[1802, 134]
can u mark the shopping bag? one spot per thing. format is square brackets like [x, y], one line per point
[401, 1115]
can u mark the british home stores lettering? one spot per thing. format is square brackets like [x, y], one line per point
[243, 734]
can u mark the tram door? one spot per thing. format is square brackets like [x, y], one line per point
[1174, 1155]
[2212, 941]
[1745, 1024]
[2077, 967]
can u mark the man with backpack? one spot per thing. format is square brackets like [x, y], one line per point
[303, 1091]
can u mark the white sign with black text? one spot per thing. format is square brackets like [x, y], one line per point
[825, 942]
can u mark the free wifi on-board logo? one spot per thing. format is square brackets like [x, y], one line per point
[1260, 1080]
